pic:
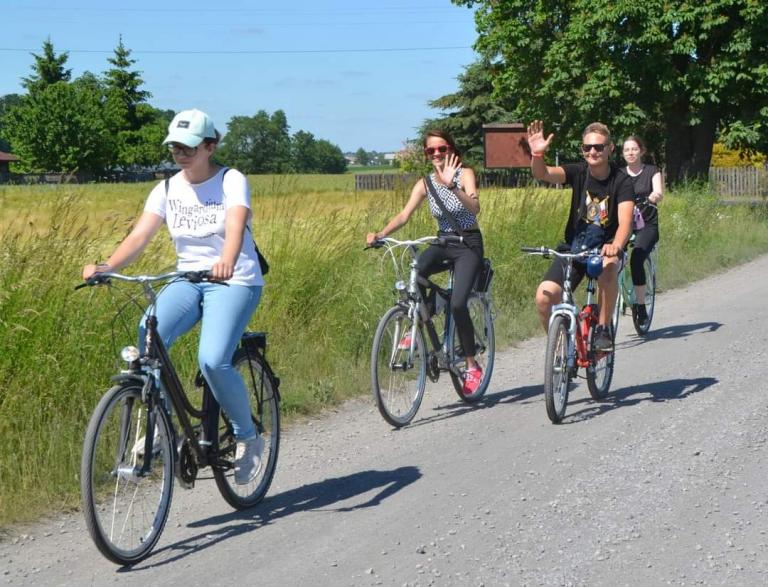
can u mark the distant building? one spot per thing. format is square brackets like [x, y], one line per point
[5, 160]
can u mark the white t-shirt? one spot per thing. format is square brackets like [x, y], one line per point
[195, 216]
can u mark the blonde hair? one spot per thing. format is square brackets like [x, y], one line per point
[599, 128]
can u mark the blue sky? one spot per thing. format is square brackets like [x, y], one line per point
[356, 73]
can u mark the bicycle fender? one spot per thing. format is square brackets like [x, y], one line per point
[128, 377]
[567, 313]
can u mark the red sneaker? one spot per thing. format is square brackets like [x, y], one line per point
[472, 378]
[405, 343]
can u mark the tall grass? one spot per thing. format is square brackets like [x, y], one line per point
[320, 307]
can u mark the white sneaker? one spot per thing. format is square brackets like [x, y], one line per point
[248, 459]
[138, 447]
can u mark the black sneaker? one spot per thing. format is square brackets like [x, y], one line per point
[602, 340]
[641, 314]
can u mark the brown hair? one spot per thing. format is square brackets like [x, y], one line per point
[441, 134]
[213, 141]
[638, 140]
[599, 128]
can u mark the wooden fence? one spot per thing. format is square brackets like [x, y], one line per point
[739, 182]
[113, 177]
[404, 181]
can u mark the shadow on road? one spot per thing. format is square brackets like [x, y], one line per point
[320, 496]
[660, 391]
[458, 408]
[669, 332]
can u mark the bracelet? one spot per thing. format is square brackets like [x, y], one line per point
[537, 155]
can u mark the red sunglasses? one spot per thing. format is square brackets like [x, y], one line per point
[441, 149]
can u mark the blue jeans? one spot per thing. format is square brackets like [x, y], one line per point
[225, 312]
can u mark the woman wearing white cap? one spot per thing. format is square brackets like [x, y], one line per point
[207, 210]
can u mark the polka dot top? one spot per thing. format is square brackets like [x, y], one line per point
[464, 218]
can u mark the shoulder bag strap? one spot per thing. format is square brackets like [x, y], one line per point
[448, 216]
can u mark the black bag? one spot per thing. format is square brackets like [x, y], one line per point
[588, 236]
[262, 260]
[484, 276]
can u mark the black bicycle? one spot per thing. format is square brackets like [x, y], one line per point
[133, 450]
[401, 360]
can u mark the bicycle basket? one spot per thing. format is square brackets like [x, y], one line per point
[484, 276]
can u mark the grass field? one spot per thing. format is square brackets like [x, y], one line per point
[321, 304]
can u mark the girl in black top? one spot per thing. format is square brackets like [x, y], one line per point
[648, 188]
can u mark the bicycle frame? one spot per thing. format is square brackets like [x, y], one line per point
[411, 298]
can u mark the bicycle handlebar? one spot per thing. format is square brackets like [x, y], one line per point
[102, 278]
[546, 252]
[425, 240]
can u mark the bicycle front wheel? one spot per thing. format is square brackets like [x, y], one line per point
[650, 297]
[126, 506]
[265, 411]
[485, 346]
[556, 376]
[398, 367]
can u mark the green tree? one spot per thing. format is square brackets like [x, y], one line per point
[330, 158]
[469, 108]
[6, 103]
[124, 93]
[304, 152]
[47, 69]
[677, 72]
[258, 144]
[362, 157]
[61, 128]
[138, 128]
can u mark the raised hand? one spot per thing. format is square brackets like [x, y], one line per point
[447, 172]
[536, 140]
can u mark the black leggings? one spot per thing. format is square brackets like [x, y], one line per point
[466, 263]
[645, 239]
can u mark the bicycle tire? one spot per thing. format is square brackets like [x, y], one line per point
[265, 412]
[123, 510]
[398, 378]
[556, 376]
[650, 297]
[599, 372]
[485, 342]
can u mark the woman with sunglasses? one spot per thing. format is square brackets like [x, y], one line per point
[649, 187]
[456, 186]
[207, 209]
[602, 202]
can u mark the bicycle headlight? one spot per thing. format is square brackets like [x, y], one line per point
[130, 354]
[594, 266]
[400, 285]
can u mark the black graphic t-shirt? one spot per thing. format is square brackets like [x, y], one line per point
[596, 201]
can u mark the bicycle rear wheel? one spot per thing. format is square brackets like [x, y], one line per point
[126, 509]
[599, 372]
[398, 374]
[650, 297]
[556, 376]
[265, 410]
[485, 346]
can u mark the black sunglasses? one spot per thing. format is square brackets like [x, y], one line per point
[440, 149]
[599, 147]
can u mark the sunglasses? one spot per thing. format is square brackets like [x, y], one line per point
[441, 149]
[183, 149]
[599, 147]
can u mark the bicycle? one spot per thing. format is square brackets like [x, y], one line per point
[570, 337]
[626, 296]
[400, 358]
[132, 449]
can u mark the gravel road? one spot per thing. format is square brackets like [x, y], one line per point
[663, 483]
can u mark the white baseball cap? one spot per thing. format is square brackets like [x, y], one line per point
[190, 127]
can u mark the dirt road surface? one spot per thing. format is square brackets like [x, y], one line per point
[663, 483]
